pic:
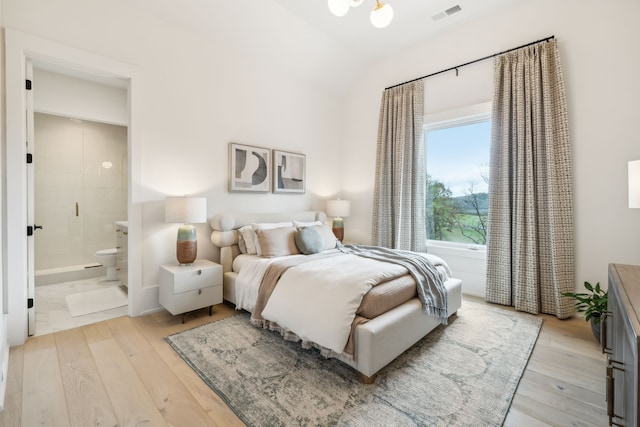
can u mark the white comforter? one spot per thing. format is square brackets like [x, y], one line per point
[249, 278]
[318, 300]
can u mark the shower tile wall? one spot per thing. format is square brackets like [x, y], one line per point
[77, 162]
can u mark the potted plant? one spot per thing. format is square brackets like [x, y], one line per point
[593, 304]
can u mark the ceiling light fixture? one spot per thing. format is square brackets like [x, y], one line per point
[339, 7]
[381, 15]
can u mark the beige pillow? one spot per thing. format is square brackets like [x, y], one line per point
[264, 226]
[277, 241]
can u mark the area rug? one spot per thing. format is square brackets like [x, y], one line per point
[84, 303]
[463, 374]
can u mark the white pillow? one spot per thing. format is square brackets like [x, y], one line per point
[241, 243]
[265, 226]
[299, 224]
[249, 237]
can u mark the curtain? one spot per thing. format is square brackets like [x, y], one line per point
[400, 191]
[530, 259]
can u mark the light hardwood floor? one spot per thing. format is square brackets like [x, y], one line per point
[121, 372]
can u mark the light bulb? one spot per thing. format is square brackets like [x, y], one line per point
[355, 3]
[338, 7]
[381, 15]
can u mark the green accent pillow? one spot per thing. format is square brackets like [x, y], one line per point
[309, 240]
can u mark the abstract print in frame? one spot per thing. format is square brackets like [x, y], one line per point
[288, 172]
[249, 168]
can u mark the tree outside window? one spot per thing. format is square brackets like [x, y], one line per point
[457, 181]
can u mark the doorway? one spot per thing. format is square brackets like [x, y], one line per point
[17, 274]
[80, 171]
[80, 194]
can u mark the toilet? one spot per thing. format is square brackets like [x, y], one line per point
[108, 258]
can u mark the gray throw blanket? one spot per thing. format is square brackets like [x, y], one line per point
[431, 290]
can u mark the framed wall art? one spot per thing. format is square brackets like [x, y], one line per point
[288, 172]
[249, 168]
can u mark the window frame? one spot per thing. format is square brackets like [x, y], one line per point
[467, 115]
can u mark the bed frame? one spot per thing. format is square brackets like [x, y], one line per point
[378, 341]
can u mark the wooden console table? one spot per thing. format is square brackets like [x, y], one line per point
[620, 342]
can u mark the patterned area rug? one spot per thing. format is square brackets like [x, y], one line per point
[464, 374]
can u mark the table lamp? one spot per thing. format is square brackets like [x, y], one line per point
[186, 210]
[338, 209]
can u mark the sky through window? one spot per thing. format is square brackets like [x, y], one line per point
[458, 157]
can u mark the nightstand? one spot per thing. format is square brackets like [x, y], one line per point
[186, 288]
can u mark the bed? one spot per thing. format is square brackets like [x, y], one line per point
[374, 342]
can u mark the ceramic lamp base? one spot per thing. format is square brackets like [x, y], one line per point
[338, 228]
[187, 245]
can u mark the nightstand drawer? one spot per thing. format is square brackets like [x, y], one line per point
[185, 281]
[195, 299]
[200, 274]
[186, 288]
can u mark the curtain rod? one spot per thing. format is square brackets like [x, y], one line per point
[471, 62]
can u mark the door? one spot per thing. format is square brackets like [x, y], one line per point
[31, 311]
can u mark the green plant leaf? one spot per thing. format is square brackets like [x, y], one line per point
[593, 303]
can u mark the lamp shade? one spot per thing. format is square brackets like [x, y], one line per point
[186, 210]
[634, 184]
[338, 208]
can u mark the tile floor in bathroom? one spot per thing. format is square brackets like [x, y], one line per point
[52, 313]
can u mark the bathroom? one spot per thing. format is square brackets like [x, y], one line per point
[80, 196]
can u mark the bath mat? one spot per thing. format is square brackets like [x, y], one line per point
[95, 301]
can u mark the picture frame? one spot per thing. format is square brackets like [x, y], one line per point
[289, 172]
[249, 168]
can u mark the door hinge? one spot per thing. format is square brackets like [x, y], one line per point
[29, 158]
[29, 302]
[28, 84]
[32, 228]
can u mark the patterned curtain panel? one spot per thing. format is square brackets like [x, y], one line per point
[400, 193]
[530, 238]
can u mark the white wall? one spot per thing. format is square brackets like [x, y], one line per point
[195, 96]
[601, 63]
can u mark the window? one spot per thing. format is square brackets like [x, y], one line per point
[457, 158]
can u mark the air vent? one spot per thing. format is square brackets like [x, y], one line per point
[446, 13]
[452, 10]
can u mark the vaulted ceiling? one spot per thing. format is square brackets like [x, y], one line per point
[414, 20]
[303, 37]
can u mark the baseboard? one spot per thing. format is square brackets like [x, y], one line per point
[4, 359]
[155, 310]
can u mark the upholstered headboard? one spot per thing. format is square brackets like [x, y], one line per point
[225, 226]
